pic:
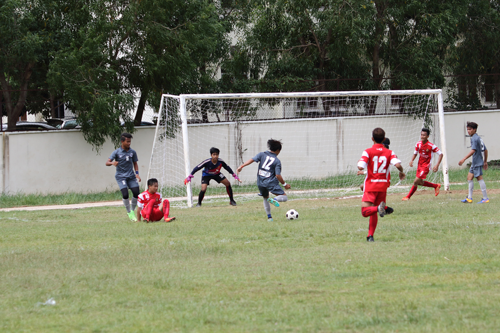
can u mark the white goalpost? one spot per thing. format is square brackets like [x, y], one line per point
[323, 136]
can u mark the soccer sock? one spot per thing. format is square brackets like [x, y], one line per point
[369, 211]
[471, 188]
[429, 184]
[126, 202]
[267, 207]
[373, 224]
[166, 208]
[201, 196]
[281, 198]
[482, 184]
[412, 190]
[229, 191]
[134, 203]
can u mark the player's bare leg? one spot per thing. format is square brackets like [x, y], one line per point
[229, 191]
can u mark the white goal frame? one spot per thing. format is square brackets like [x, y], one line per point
[184, 118]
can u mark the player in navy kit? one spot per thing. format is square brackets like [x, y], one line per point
[125, 160]
[269, 175]
[211, 170]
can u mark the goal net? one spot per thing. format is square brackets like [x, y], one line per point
[323, 136]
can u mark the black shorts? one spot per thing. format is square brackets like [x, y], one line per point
[218, 178]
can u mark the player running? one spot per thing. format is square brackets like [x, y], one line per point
[269, 176]
[424, 148]
[211, 170]
[127, 172]
[150, 205]
[478, 163]
[377, 160]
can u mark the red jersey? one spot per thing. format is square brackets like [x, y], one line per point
[425, 151]
[145, 197]
[376, 161]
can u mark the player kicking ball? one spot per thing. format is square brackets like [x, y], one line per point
[478, 163]
[127, 172]
[150, 205]
[424, 148]
[211, 171]
[269, 176]
[377, 160]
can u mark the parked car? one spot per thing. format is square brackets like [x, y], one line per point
[30, 126]
[62, 123]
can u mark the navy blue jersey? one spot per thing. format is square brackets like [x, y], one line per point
[125, 159]
[211, 169]
[269, 167]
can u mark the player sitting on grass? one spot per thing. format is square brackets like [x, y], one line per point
[424, 148]
[150, 205]
[478, 163]
[269, 175]
[377, 160]
[125, 160]
[211, 171]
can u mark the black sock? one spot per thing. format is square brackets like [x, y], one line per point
[200, 196]
[229, 191]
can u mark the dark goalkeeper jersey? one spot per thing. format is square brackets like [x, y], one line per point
[211, 169]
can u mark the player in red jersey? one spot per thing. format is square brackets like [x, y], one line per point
[377, 160]
[151, 207]
[424, 148]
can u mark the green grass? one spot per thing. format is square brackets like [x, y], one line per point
[435, 267]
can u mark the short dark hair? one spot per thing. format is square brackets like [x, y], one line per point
[471, 124]
[274, 145]
[152, 181]
[426, 130]
[125, 136]
[214, 150]
[386, 143]
[378, 135]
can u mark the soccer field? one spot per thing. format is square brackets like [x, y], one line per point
[434, 267]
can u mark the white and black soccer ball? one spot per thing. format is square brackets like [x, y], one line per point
[292, 214]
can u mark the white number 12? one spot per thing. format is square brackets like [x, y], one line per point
[383, 163]
[267, 163]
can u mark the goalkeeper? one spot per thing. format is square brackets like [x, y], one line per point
[211, 170]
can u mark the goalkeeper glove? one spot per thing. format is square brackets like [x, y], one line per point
[236, 177]
[188, 179]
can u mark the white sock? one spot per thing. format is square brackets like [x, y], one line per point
[134, 203]
[281, 198]
[482, 184]
[267, 207]
[127, 205]
[471, 188]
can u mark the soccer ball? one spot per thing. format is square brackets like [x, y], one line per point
[292, 214]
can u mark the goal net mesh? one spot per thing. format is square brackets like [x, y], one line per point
[322, 136]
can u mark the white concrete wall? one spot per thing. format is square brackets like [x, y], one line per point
[61, 161]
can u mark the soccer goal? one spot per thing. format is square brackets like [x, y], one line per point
[323, 136]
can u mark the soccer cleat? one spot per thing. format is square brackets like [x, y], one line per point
[370, 239]
[467, 200]
[274, 202]
[405, 199]
[389, 210]
[132, 217]
[198, 205]
[259, 194]
[270, 219]
[483, 200]
[232, 203]
[381, 209]
[169, 219]
[436, 190]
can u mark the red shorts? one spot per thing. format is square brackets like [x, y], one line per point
[422, 172]
[155, 214]
[374, 197]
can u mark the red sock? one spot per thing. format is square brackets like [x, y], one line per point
[166, 208]
[373, 224]
[428, 184]
[369, 211]
[412, 190]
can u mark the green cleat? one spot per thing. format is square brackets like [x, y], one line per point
[270, 219]
[132, 217]
[274, 202]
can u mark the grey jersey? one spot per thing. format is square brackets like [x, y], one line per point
[269, 167]
[478, 145]
[125, 159]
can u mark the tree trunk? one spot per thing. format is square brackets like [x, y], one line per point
[140, 107]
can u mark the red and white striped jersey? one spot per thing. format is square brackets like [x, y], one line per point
[376, 161]
[145, 197]
[425, 151]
